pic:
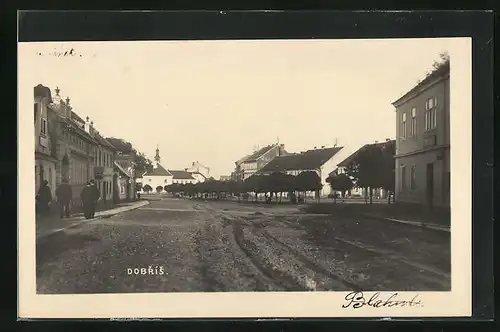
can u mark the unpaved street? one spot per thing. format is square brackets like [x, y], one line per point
[175, 245]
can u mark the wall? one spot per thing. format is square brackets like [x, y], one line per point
[122, 188]
[268, 156]
[47, 169]
[183, 181]
[418, 194]
[325, 171]
[411, 144]
[415, 151]
[104, 158]
[248, 169]
[198, 177]
[45, 163]
[155, 181]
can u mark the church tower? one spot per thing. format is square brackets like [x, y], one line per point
[157, 156]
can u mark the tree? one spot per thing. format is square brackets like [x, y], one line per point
[159, 189]
[309, 181]
[339, 182]
[254, 184]
[138, 186]
[147, 188]
[373, 167]
[279, 183]
[121, 145]
[143, 164]
[388, 168]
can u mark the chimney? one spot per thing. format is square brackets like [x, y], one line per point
[91, 128]
[387, 139]
[376, 142]
[322, 146]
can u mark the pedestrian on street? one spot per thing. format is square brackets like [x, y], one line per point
[64, 195]
[90, 195]
[44, 197]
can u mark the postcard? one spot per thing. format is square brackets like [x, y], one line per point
[245, 178]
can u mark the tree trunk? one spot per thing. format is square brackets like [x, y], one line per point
[371, 195]
[318, 196]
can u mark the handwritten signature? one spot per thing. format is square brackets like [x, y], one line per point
[357, 300]
[63, 53]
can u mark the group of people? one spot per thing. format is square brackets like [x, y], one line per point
[89, 195]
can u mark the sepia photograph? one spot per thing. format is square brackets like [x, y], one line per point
[247, 166]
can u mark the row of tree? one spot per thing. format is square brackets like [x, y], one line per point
[274, 184]
[372, 167]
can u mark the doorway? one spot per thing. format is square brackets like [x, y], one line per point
[41, 176]
[430, 185]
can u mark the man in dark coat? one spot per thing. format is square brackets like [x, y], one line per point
[64, 195]
[90, 195]
[44, 197]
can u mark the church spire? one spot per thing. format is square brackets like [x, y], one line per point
[157, 156]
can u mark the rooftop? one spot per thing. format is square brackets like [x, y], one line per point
[442, 70]
[259, 153]
[181, 175]
[347, 161]
[43, 91]
[157, 171]
[122, 167]
[308, 160]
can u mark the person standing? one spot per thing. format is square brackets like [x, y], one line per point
[95, 195]
[86, 200]
[90, 194]
[44, 197]
[64, 195]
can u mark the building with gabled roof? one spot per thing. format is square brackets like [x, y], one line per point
[321, 161]
[423, 140]
[254, 162]
[158, 177]
[182, 177]
[350, 157]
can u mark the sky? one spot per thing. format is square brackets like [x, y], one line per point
[215, 101]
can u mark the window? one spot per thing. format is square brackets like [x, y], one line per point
[99, 159]
[36, 111]
[43, 126]
[403, 177]
[403, 126]
[413, 183]
[431, 113]
[413, 130]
